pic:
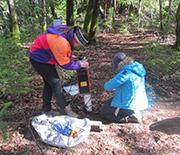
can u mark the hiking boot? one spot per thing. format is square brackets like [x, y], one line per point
[134, 118]
[51, 113]
[69, 112]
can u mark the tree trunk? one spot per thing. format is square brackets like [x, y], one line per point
[131, 11]
[44, 23]
[105, 9]
[14, 28]
[169, 9]
[69, 13]
[95, 16]
[139, 14]
[114, 2]
[92, 15]
[160, 15]
[117, 5]
[88, 17]
[178, 26]
[53, 11]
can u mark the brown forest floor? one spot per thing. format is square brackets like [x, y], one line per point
[159, 132]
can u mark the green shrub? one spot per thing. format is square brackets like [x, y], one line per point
[14, 66]
[161, 58]
[4, 125]
[124, 29]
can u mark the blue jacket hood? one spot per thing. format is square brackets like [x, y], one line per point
[136, 68]
[129, 84]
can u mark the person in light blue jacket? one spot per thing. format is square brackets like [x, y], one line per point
[130, 95]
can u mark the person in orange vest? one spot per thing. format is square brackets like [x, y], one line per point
[55, 47]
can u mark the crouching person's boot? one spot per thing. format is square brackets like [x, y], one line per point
[135, 117]
[69, 111]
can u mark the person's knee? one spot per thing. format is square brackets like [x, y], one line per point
[56, 83]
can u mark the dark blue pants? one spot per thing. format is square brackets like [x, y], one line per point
[52, 85]
[108, 112]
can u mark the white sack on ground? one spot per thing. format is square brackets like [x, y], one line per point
[45, 129]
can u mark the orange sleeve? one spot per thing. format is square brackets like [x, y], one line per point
[60, 48]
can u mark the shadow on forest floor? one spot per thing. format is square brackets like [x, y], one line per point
[169, 126]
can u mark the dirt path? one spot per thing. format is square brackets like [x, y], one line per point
[159, 132]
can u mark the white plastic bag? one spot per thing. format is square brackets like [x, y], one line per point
[44, 126]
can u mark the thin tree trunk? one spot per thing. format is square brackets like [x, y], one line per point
[44, 24]
[92, 15]
[117, 5]
[69, 13]
[53, 11]
[139, 13]
[114, 10]
[131, 11]
[88, 17]
[105, 9]
[169, 9]
[14, 28]
[161, 16]
[95, 16]
[178, 26]
[152, 16]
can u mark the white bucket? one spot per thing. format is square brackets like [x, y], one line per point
[57, 22]
[88, 102]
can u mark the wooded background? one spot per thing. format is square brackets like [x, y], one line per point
[148, 30]
[21, 21]
[31, 15]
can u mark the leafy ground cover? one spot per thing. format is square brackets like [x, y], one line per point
[158, 133]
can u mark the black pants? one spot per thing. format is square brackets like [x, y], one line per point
[108, 112]
[52, 85]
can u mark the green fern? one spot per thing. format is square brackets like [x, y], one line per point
[161, 58]
[13, 75]
[5, 125]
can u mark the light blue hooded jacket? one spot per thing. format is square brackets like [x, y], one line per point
[130, 87]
